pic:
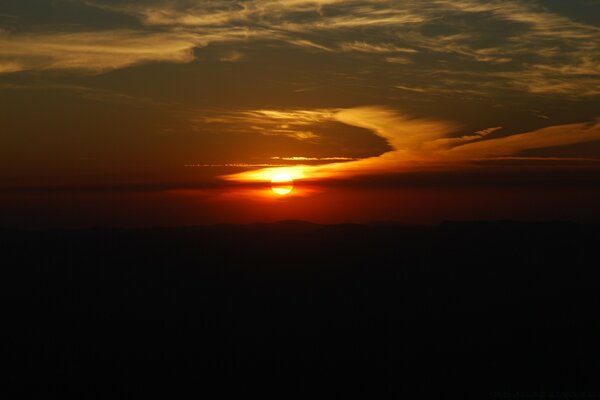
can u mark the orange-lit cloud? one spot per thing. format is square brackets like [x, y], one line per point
[560, 135]
[299, 158]
[365, 47]
[540, 51]
[10, 66]
[423, 143]
[231, 56]
[405, 135]
[93, 51]
[295, 124]
[449, 142]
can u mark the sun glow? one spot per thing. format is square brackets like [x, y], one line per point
[282, 184]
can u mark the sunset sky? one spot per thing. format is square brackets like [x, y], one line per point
[180, 112]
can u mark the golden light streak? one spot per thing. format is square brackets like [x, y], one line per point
[295, 172]
[423, 143]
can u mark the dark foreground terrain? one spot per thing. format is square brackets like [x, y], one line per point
[495, 310]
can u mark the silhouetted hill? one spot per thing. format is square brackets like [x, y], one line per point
[294, 308]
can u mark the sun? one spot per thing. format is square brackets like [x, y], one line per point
[282, 184]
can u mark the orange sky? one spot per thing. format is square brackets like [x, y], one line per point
[181, 112]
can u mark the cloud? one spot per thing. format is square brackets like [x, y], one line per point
[542, 22]
[295, 123]
[297, 158]
[375, 48]
[555, 80]
[308, 44]
[231, 56]
[404, 134]
[552, 136]
[212, 12]
[93, 51]
[273, 13]
[10, 66]
[419, 144]
[529, 49]
[411, 89]
[293, 117]
[563, 55]
[399, 60]
[450, 142]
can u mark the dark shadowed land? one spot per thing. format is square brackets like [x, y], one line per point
[484, 308]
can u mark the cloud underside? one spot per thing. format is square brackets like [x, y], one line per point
[422, 143]
[518, 44]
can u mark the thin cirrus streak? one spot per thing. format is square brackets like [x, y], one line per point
[236, 165]
[94, 51]
[296, 158]
[294, 124]
[423, 143]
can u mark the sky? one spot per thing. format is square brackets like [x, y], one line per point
[180, 112]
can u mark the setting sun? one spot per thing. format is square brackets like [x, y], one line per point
[282, 184]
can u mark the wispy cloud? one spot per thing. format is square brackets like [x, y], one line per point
[450, 142]
[300, 158]
[231, 56]
[552, 136]
[309, 44]
[424, 143]
[93, 51]
[399, 60]
[295, 124]
[295, 117]
[412, 88]
[405, 135]
[10, 66]
[531, 49]
[375, 47]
